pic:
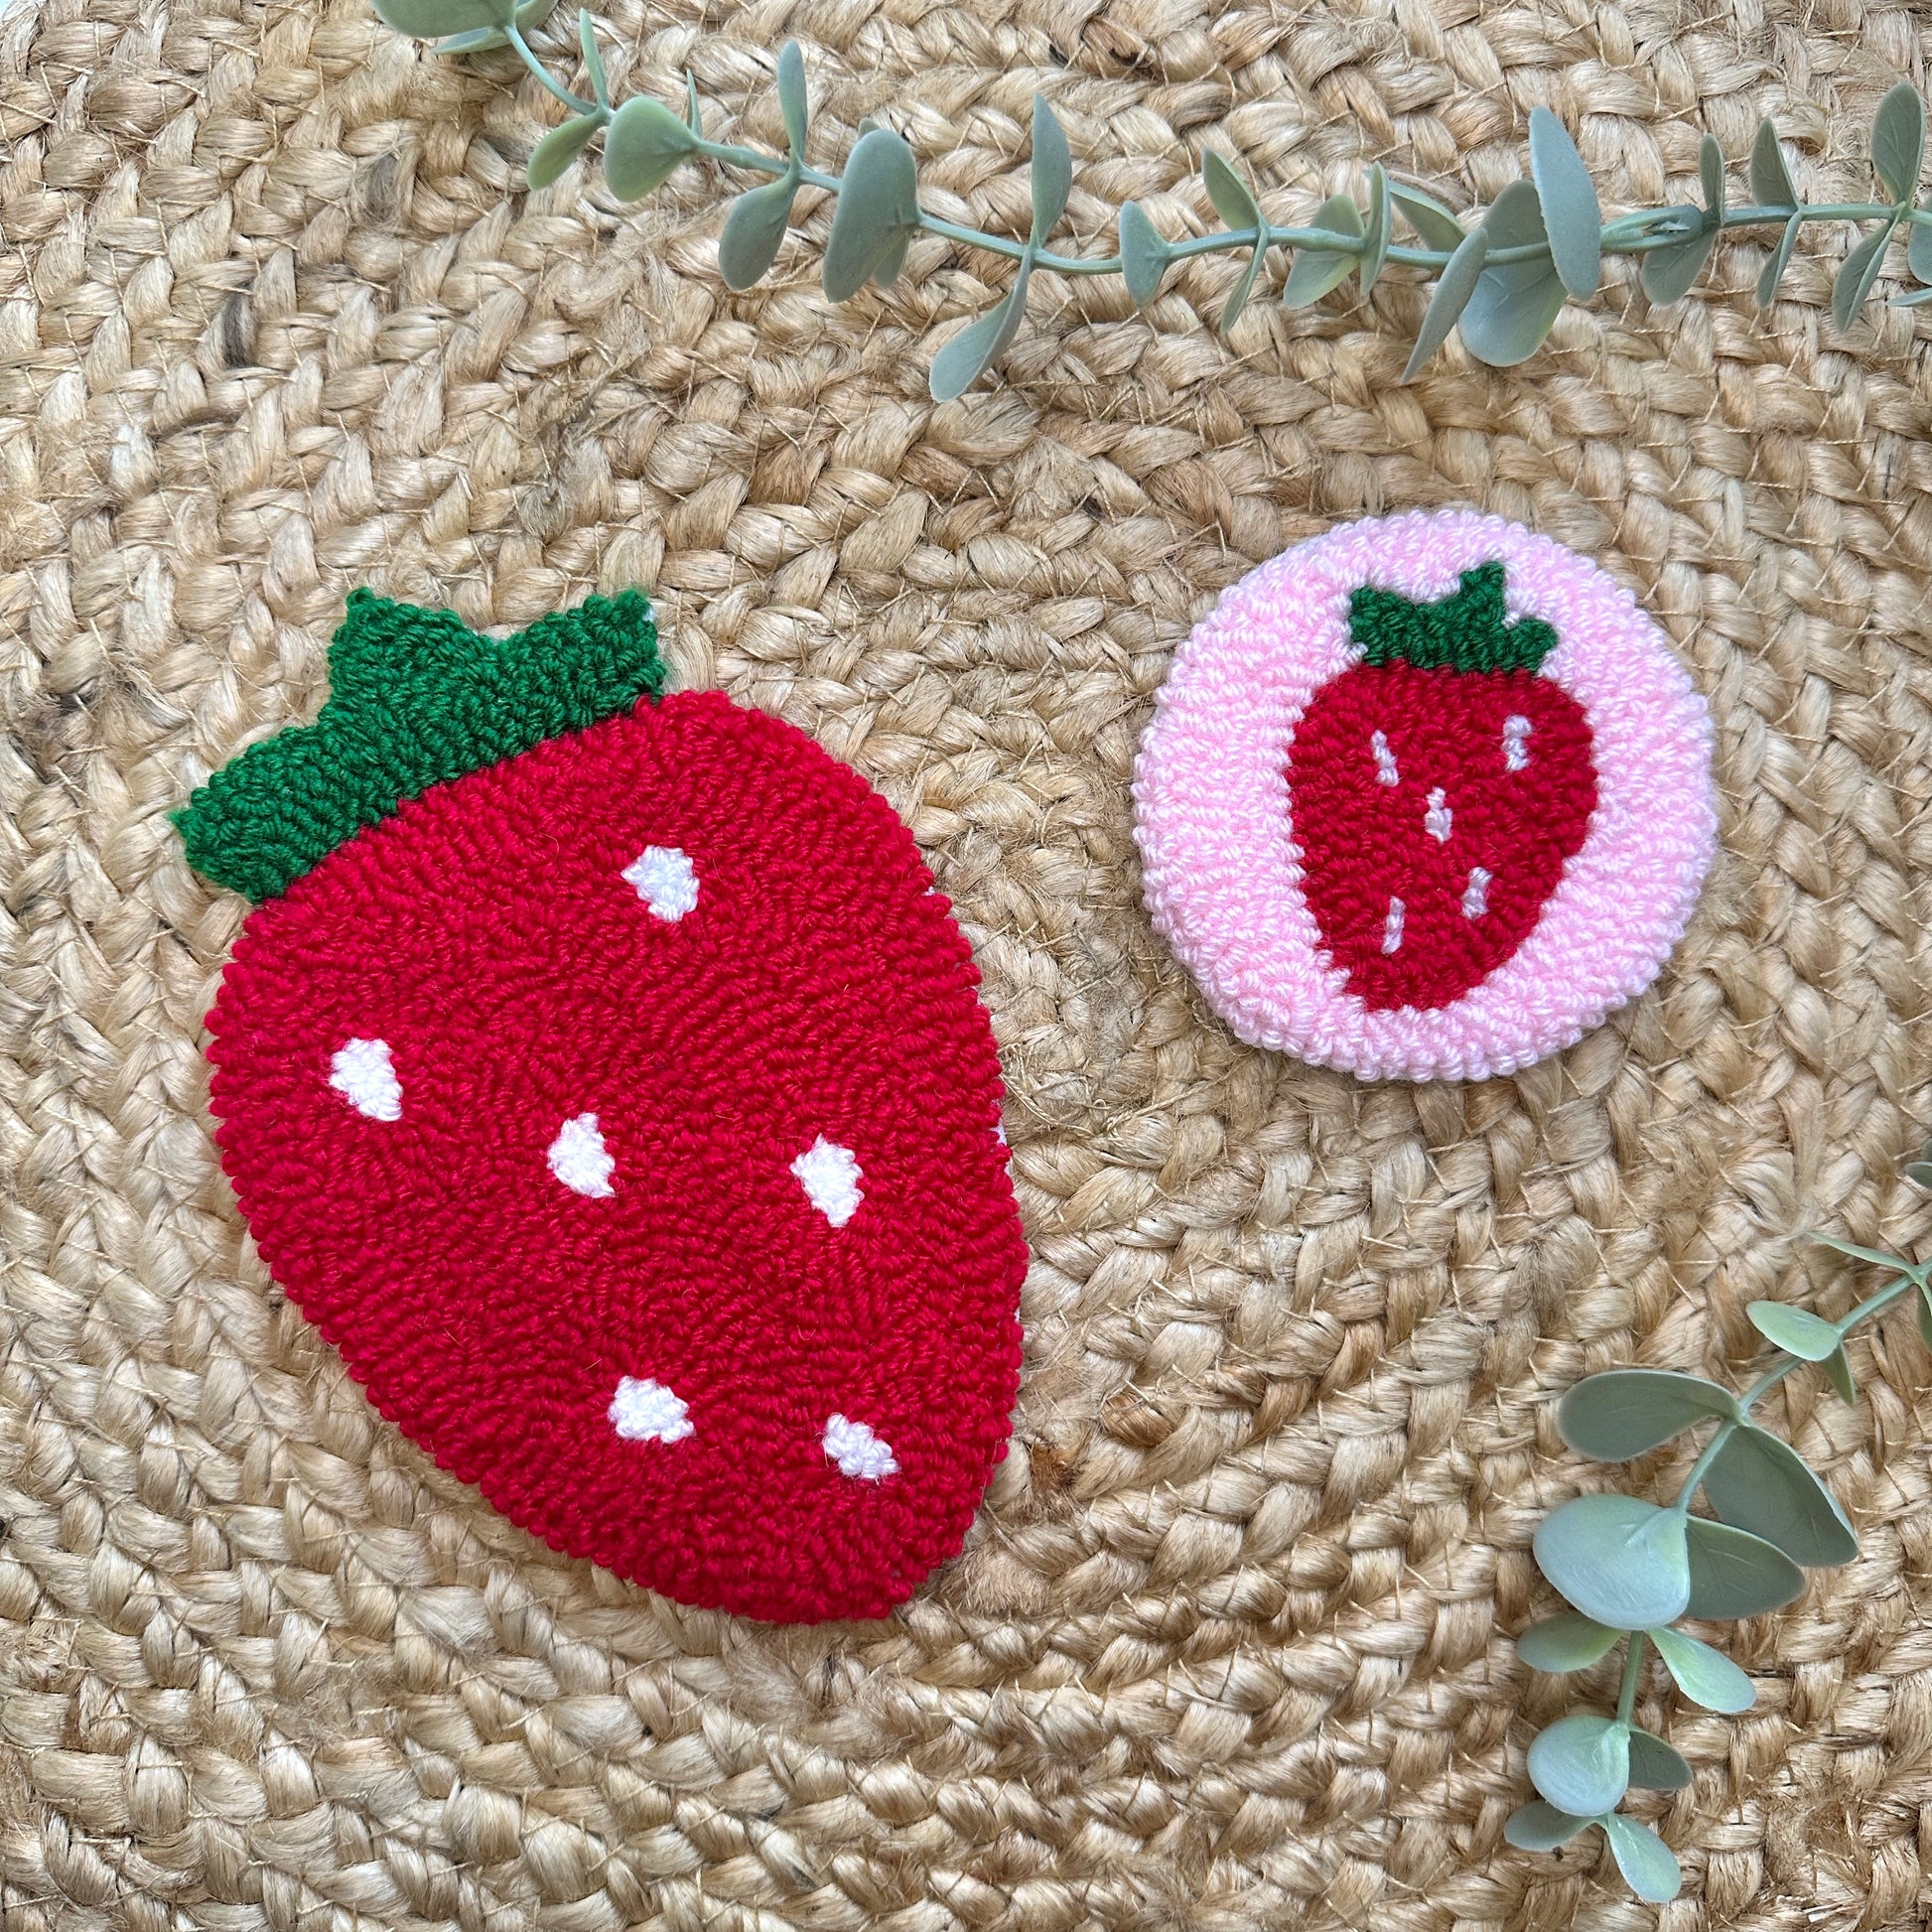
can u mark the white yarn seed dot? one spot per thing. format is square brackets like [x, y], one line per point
[858, 1452]
[580, 1161]
[643, 1411]
[665, 879]
[830, 1176]
[364, 1074]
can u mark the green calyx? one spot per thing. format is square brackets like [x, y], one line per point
[1467, 632]
[416, 697]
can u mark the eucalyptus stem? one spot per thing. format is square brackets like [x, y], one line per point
[1722, 1435]
[1502, 276]
[1617, 237]
[1624, 235]
[575, 102]
[1630, 1569]
[1626, 1696]
[1873, 1304]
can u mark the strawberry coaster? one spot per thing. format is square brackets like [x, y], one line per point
[603, 1077]
[1427, 797]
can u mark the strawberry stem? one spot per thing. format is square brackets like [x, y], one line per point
[1469, 630]
[415, 698]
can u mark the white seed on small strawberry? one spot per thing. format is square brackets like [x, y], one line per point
[1438, 819]
[1392, 927]
[1475, 894]
[1385, 766]
[1516, 741]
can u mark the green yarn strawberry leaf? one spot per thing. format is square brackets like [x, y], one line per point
[416, 697]
[1468, 631]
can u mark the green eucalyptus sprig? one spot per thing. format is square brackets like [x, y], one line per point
[1629, 1569]
[1501, 280]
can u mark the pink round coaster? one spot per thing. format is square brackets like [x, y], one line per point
[1425, 797]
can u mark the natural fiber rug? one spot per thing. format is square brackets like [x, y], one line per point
[1230, 1646]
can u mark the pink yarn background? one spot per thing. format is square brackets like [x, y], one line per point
[1214, 820]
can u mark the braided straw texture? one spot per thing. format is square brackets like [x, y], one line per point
[1231, 1644]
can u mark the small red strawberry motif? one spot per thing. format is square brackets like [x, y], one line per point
[605, 1080]
[1440, 784]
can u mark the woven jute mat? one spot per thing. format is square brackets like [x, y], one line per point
[1230, 1646]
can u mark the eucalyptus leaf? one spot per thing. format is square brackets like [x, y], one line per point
[1572, 213]
[1839, 1368]
[891, 262]
[644, 142]
[1315, 269]
[593, 60]
[1565, 1643]
[1735, 1574]
[692, 118]
[1618, 1560]
[1759, 1483]
[1235, 204]
[1051, 172]
[1923, 1302]
[793, 102]
[1375, 227]
[479, 39]
[1436, 226]
[1710, 174]
[1656, 1766]
[1648, 1864]
[1899, 141]
[482, 39]
[1920, 1171]
[1233, 199]
[1541, 1827]
[1452, 297]
[1771, 183]
[754, 230]
[559, 148]
[1896, 1262]
[1581, 1764]
[1669, 273]
[1858, 273]
[1514, 304]
[878, 212]
[1704, 1676]
[1627, 1412]
[1797, 1331]
[961, 361]
[1143, 255]
[1244, 287]
[1773, 273]
[427, 19]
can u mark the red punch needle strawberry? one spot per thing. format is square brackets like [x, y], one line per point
[1440, 784]
[603, 1077]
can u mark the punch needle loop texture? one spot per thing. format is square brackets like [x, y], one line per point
[602, 1074]
[1427, 797]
